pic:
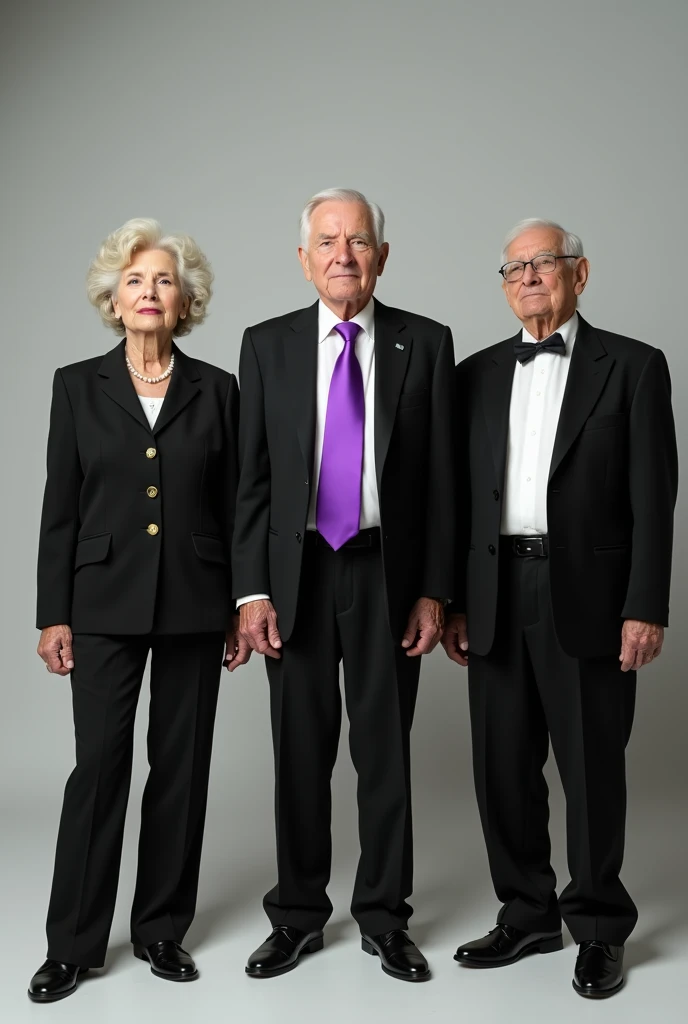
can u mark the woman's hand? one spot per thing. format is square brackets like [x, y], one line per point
[238, 650]
[55, 648]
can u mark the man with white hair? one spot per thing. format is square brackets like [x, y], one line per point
[343, 551]
[568, 437]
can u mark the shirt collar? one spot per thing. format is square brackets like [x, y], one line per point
[327, 320]
[568, 331]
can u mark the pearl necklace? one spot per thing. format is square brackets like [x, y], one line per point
[150, 380]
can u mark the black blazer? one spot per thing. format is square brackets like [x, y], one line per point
[110, 478]
[413, 458]
[611, 491]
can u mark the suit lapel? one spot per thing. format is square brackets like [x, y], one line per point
[393, 343]
[301, 361]
[182, 389]
[590, 367]
[117, 384]
[497, 401]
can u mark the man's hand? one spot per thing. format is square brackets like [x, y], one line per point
[238, 650]
[424, 627]
[258, 627]
[455, 639]
[55, 648]
[641, 643]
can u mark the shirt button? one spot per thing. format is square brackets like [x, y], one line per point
[495, 495]
[152, 492]
[151, 453]
[538, 393]
[528, 479]
[491, 548]
[533, 433]
[152, 529]
[298, 537]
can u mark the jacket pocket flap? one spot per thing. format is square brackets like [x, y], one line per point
[409, 399]
[92, 549]
[210, 549]
[613, 420]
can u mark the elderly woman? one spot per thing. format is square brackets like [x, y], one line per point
[133, 558]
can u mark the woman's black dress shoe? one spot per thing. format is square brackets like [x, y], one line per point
[54, 980]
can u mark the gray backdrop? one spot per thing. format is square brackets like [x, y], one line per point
[220, 119]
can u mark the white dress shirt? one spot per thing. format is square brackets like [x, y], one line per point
[151, 407]
[536, 396]
[330, 345]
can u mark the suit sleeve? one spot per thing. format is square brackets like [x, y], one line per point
[250, 567]
[462, 525]
[60, 517]
[440, 537]
[653, 483]
[231, 420]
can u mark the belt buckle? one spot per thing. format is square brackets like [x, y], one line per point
[529, 547]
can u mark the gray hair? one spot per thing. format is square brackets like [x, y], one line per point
[341, 195]
[571, 244]
[138, 235]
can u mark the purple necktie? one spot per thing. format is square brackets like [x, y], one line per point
[338, 509]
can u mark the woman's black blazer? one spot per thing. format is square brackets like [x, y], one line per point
[136, 527]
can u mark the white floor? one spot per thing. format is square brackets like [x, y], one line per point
[453, 901]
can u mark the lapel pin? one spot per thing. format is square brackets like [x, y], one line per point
[400, 347]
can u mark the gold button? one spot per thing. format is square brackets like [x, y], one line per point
[152, 492]
[152, 529]
[151, 453]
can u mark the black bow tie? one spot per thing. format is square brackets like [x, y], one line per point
[525, 350]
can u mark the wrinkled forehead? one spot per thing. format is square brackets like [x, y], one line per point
[534, 241]
[157, 260]
[334, 218]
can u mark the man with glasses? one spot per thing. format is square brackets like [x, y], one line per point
[569, 439]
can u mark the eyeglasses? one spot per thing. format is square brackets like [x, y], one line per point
[544, 264]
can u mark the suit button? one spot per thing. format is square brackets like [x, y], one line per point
[152, 492]
[491, 548]
[152, 529]
[298, 537]
[495, 495]
[151, 453]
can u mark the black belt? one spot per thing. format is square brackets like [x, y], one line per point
[527, 547]
[369, 538]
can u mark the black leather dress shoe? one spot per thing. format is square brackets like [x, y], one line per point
[168, 961]
[399, 956]
[599, 970]
[54, 980]
[281, 951]
[505, 945]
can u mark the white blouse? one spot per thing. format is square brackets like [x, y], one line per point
[151, 407]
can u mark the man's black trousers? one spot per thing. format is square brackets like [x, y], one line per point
[523, 694]
[342, 616]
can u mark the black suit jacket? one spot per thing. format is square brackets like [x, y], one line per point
[99, 569]
[413, 458]
[610, 497]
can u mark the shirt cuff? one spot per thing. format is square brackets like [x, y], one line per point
[252, 597]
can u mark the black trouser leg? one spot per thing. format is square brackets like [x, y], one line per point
[588, 709]
[342, 612]
[305, 706]
[106, 681]
[381, 684]
[589, 706]
[185, 678]
[510, 747]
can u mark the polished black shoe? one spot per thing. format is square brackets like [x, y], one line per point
[168, 961]
[599, 970]
[54, 980]
[281, 951]
[505, 945]
[399, 956]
